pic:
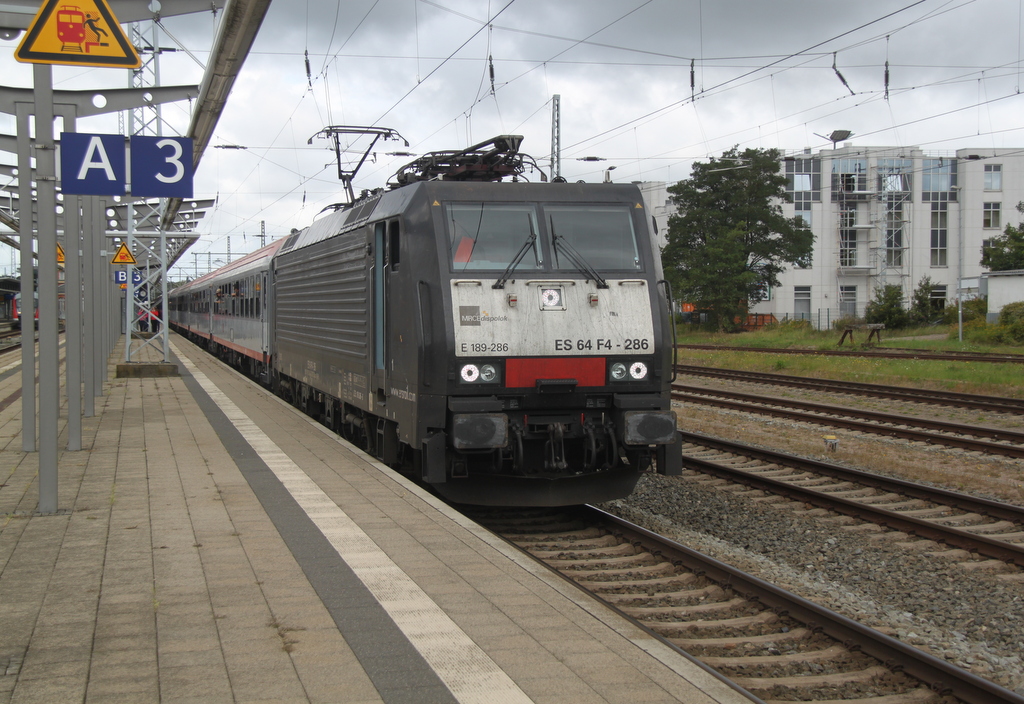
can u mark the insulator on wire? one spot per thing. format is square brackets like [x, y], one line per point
[692, 79]
[309, 75]
[887, 81]
[841, 75]
[490, 63]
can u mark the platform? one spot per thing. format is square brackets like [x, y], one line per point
[212, 544]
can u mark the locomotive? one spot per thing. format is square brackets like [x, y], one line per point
[507, 343]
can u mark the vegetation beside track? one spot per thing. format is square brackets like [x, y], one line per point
[966, 377]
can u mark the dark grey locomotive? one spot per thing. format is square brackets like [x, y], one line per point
[507, 343]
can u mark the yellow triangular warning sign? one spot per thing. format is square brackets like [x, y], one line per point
[60, 254]
[122, 255]
[638, 206]
[85, 33]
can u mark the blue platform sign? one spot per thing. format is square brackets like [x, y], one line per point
[95, 165]
[92, 164]
[162, 167]
[121, 276]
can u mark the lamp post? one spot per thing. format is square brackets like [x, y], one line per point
[960, 262]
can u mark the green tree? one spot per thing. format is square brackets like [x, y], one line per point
[922, 308]
[887, 307]
[1005, 252]
[729, 241]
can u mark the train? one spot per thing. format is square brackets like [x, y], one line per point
[16, 311]
[505, 342]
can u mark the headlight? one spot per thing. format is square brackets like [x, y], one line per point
[638, 370]
[479, 373]
[618, 371]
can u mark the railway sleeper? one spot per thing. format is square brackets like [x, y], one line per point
[993, 528]
[832, 652]
[679, 613]
[522, 527]
[810, 671]
[570, 545]
[528, 538]
[933, 512]
[854, 493]
[734, 626]
[584, 553]
[684, 596]
[665, 569]
[635, 560]
[764, 684]
[796, 637]
[634, 586]
[905, 504]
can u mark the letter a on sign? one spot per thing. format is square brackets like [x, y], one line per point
[92, 164]
[78, 33]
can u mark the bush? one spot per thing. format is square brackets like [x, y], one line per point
[974, 309]
[1012, 313]
[887, 307]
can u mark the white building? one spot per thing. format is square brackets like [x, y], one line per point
[889, 215]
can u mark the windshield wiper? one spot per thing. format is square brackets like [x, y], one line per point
[500, 283]
[575, 257]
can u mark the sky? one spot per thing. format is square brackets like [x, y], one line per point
[646, 86]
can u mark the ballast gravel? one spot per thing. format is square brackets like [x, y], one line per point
[969, 617]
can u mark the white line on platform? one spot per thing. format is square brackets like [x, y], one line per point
[467, 671]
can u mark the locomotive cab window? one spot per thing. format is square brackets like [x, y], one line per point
[490, 235]
[604, 233]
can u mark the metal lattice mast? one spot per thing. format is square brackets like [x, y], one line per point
[556, 136]
[146, 120]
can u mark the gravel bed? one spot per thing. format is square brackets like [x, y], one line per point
[970, 618]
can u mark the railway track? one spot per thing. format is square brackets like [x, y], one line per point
[776, 645]
[978, 526]
[995, 404]
[977, 438]
[889, 353]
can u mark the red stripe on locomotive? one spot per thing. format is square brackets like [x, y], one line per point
[587, 371]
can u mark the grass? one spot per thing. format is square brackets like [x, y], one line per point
[798, 337]
[965, 377]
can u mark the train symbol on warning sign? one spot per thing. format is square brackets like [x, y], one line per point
[77, 33]
[71, 29]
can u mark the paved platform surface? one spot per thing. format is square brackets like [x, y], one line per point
[212, 544]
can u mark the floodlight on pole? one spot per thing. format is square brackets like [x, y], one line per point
[836, 136]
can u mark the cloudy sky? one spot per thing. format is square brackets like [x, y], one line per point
[648, 86]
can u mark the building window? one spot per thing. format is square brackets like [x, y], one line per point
[938, 176]
[939, 233]
[894, 234]
[848, 236]
[938, 297]
[894, 176]
[991, 215]
[848, 301]
[849, 179]
[801, 302]
[803, 211]
[803, 180]
[993, 177]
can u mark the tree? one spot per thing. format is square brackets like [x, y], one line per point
[922, 308]
[1005, 252]
[729, 241]
[887, 307]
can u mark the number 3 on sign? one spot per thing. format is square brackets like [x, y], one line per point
[174, 159]
[161, 167]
